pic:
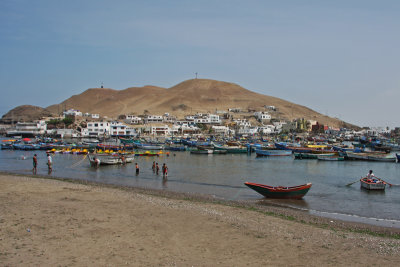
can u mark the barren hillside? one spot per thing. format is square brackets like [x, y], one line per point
[191, 96]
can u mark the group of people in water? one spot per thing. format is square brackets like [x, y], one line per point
[156, 169]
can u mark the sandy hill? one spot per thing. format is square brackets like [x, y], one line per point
[25, 113]
[188, 97]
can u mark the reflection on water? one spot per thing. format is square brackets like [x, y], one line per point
[223, 176]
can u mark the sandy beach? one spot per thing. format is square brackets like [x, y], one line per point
[46, 222]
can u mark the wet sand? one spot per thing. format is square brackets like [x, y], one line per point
[53, 222]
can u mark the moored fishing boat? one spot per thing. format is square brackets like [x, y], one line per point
[148, 154]
[371, 156]
[7, 144]
[272, 152]
[175, 147]
[231, 149]
[201, 151]
[293, 192]
[110, 159]
[311, 155]
[382, 157]
[330, 157]
[126, 141]
[150, 147]
[372, 184]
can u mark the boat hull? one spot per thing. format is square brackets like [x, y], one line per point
[230, 149]
[330, 158]
[294, 192]
[111, 159]
[370, 185]
[271, 152]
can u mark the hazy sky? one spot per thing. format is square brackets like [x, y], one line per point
[340, 58]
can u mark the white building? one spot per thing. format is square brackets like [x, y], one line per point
[96, 129]
[72, 112]
[130, 131]
[29, 128]
[158, 130]
[117, 128]
[132, 119]
[242, 122]
[153, 118]
[270, 107]
[248, 130]
[185, 128]
[207, 119]
[190, 118]
[65, 133]
[168, 118]
[261, 116]
[95, 116]
[267, 129]
[221, 129]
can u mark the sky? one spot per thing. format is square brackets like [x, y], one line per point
[340, 58]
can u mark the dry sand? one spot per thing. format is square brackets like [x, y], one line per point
[46, 222]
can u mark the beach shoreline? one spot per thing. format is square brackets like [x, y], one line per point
[47, 220]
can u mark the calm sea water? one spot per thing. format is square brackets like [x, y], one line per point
[222, 176]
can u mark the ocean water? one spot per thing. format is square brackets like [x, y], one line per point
[223, 176]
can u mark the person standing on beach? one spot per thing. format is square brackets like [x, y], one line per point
[154, 166]
[165, 170]
[34, 164]
[49, 163]
[137, 168]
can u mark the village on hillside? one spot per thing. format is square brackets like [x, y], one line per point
[233, 122]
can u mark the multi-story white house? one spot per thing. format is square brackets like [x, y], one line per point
[117, 128]
[157, 130]
[207, 119]
[29, 128]
[168, 118]
[153, 118]
[132, 119]
[98, 128]
[261, 116]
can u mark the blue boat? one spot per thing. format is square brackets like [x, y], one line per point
[24, 146]
[293, 148]
[175, 147]
[272, 152]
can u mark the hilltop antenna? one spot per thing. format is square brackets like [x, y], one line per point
[196, 75]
